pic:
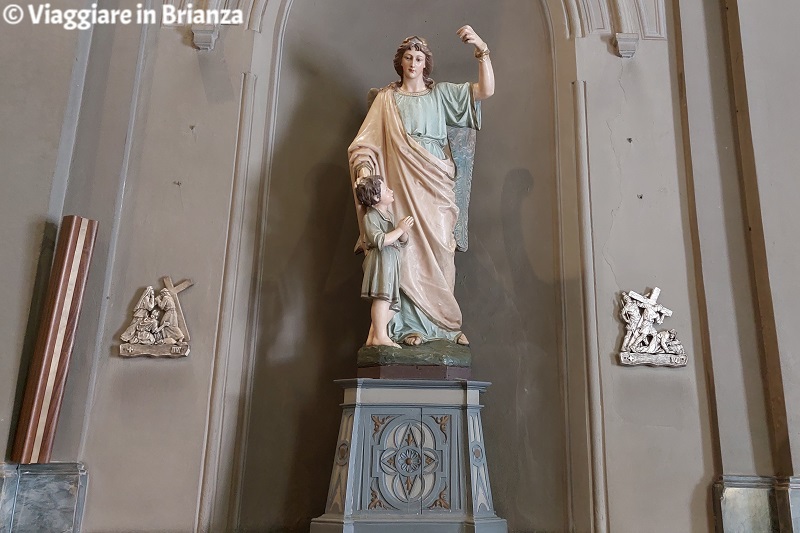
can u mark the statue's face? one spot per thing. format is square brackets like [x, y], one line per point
[413, 63]
[387, 195]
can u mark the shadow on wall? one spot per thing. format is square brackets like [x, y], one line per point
[512, 322]
[40, 283]
[312, 320]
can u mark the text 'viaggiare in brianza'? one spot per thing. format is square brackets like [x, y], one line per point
[85, 18]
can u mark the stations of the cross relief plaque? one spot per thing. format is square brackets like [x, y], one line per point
[643, 343]
[158, 327]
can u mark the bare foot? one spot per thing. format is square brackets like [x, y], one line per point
[383, 341]
[413, 340]
[462, 340]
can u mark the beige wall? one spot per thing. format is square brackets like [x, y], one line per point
[162, 142]
[657, 427]
[35, 89]
[769, 42]
[716, 195]
[96, 185]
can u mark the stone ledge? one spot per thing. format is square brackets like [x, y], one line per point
[434, 353]
[414, 372]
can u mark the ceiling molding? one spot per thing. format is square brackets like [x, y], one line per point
[596, 16]
[256, 17]
[652, 19]
[643, 17]
[629, 21]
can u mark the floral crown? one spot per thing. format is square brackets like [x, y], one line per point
[415, 40]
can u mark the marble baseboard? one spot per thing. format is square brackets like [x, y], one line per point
[9, 478]
[39, 498]
[787, 503]
[757, 504]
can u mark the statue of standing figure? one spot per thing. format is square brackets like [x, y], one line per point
[382, 262]
[404, 139]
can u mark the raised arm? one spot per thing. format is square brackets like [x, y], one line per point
[485, 86]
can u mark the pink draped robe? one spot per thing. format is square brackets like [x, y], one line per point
[423, 188]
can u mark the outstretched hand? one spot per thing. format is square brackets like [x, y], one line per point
[468, 35]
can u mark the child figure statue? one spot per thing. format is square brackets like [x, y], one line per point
[382, 262]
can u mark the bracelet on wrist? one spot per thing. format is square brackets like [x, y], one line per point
[480, 54]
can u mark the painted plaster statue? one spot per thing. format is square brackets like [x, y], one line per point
[404, 139]
[382, 262]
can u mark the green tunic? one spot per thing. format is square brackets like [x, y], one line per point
[425, 119]
[382, 263]
[426, 116]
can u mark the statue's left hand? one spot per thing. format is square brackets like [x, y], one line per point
[468, 35]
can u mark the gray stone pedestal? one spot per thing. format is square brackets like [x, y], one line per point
[40, 498]
[410, 457]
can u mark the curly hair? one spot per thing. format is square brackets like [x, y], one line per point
[368, 190]
[418, 45]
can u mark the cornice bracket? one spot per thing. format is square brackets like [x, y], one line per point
[626, 44]
[204, 36]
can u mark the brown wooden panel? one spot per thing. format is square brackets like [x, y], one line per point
[48, 373]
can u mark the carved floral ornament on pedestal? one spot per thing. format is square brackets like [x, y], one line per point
[643, 344]
[158, 327]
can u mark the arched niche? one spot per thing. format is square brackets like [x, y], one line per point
[514, 285]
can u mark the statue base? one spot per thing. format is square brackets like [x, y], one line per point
[410, 457]
[439, 359]
[414, 372]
